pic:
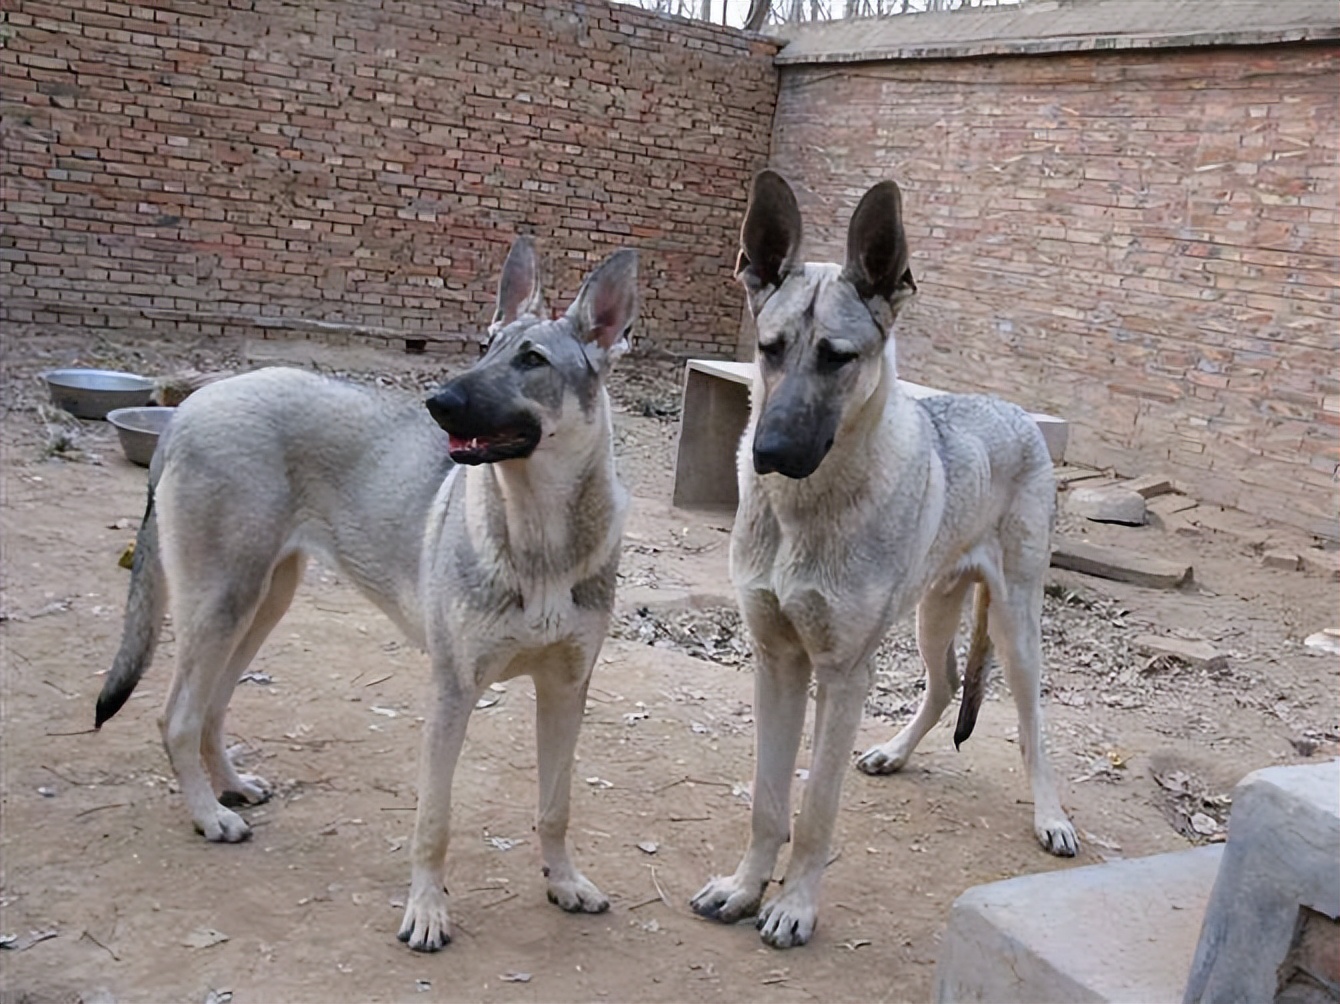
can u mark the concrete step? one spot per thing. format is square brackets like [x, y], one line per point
[1272, 924]
[1121, 931]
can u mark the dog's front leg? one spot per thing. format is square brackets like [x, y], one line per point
[426, 925]
[560, 701]
[781, 691]
[789, 919]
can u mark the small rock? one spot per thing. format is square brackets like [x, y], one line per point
[1205, 825]
[515, 977]
[1285, 560]
[204, 937]
[46, 792]
[1200, 654]
[1304, 746]
[648, 846]
[1323, 641]
[1108, 505]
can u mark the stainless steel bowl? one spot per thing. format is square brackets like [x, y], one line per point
[139, 429]
[93, 393]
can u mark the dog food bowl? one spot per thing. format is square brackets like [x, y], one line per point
[93, 393]
[139, 429]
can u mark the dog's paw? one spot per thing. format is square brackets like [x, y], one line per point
[246, 789]
[426, 926]
[727, 899]
[883, 759]
[577, 894]
[224, 826]
[788, 921]
[1057, 836]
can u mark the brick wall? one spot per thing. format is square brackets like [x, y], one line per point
[358, 168]
[1144, 243]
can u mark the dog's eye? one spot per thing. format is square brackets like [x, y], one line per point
[772, 350]
[833, 357]
[532, 359]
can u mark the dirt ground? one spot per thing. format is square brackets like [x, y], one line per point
[110, 895]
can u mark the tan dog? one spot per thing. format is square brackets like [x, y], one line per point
[501, 567]
[858, 504]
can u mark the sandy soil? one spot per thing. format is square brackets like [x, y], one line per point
[99, 854]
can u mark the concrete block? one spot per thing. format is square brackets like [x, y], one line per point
[713, 418]
[1282, 860]
[1121, 931]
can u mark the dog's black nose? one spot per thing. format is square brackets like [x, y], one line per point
[775, 453]
[448, 406]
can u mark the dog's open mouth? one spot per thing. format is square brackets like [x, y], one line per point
[506, 444]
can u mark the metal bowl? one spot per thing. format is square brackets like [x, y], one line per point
[139, 429]
[93, 393]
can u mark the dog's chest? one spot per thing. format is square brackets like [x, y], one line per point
[545, 611]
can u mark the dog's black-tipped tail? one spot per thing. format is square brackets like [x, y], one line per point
[145, 605]
[975, 669]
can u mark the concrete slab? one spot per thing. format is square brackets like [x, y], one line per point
[715, 411]
[712, 417]
[1281, 868]
[1121, 931]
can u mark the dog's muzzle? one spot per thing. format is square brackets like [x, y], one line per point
[476, 432]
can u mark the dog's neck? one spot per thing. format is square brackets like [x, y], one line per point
[555, 518]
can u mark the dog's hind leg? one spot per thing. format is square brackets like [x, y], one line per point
[560, 701]
[781, 687]
[211, 623]
[1015, 626]
[246, 789]
[937, 624]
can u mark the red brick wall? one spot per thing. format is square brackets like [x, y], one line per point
[199, 168]
[1144, 243]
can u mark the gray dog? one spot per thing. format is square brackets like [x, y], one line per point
[858, 503]
[503, 566]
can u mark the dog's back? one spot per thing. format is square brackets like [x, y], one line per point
[996, 465]
[283, 460]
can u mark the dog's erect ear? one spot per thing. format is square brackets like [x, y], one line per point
[769, 238]
[877, 257]
[519, 288]
[606, 305]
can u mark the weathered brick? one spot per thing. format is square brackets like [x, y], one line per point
[170, 151]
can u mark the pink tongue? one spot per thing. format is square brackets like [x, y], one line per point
[457, 443]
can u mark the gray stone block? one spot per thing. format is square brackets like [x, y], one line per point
[1122, 931]
[1282, 859]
